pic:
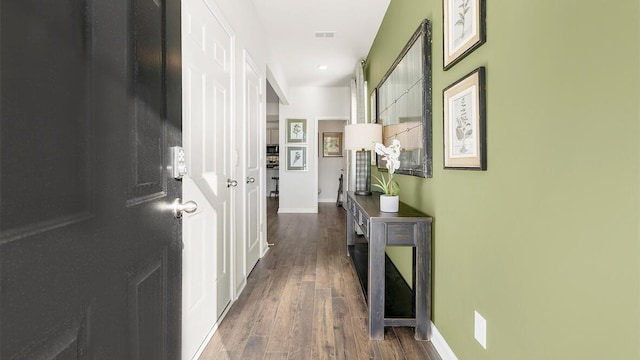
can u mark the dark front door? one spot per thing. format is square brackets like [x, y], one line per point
[90, 253]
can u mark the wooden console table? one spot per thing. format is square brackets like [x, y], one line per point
[407, 227]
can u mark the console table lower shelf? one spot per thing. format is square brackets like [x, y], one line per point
[407, 227]
[398, 297]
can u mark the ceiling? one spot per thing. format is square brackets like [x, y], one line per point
[291, 27]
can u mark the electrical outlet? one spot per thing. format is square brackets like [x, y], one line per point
[480, 329]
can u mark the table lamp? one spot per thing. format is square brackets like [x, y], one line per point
[362, 137]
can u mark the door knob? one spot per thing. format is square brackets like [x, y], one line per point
[250, 180]
[232, 183]
[179, 208]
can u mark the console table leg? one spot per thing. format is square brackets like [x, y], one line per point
[423, 281]
[376, 281]
[350, 231]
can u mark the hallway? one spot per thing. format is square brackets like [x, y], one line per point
[303, 300]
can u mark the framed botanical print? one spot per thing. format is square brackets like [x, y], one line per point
[465, 144]
[296, 158]
[464, 28]
[332, 144]
[296, 130]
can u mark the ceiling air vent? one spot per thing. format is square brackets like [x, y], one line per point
[325, 34]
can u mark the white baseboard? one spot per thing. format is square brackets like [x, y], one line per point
[298, 211]
[441, 345]
[332, 200]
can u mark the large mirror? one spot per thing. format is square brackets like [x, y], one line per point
[403, 99]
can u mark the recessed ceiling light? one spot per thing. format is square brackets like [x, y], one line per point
[323, 67]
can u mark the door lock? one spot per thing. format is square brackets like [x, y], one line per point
[177, 162]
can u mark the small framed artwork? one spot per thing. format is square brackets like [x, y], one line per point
[296, 158]
[332, 144]
[296, 130]
[465, 144]
[464, 28]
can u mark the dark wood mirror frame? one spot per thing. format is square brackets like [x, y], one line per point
[404, 105]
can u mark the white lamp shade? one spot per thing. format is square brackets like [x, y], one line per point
[362, 136]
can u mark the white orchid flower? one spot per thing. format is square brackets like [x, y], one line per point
[393, 164]
[379, 148]
[393, 150]
[391, 155]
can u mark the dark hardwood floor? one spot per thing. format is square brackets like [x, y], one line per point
[303, 300]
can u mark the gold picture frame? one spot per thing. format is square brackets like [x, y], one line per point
[332, 144]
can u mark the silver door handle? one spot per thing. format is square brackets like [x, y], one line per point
[232, 183]
[250, 180]
[179, 207]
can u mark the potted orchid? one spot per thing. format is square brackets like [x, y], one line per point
[389, 201]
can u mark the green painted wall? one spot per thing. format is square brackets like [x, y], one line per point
[545, 244]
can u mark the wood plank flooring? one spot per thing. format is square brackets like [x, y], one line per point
[303, 300]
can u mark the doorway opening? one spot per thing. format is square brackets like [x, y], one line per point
[273, 150]
[331, 159]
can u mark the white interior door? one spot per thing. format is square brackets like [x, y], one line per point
[207, 49]
[253, 105]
